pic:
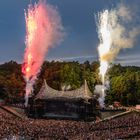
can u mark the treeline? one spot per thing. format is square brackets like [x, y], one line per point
[124, 81]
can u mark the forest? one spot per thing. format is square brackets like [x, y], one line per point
[124, 80]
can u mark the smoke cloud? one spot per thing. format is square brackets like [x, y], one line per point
[116, 32]
[100, 92]
[122, 34]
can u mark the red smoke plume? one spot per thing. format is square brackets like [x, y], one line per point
[43, 31]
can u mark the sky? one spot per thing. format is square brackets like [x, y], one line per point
[78, 18]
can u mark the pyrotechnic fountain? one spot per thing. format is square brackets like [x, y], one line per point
[43, 30]
[104, 48]
[113, 36]
[105, 45]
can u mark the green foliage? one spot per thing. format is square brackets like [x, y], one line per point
[11, 80]
[124, 80]
[71, 75]
[124, 85]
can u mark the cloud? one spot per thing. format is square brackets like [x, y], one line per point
[131, 59]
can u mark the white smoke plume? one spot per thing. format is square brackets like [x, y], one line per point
[122, 34]
[65, 87]
[116, 32]
[100, 92]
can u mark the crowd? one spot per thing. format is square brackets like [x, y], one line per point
[12, 127]
[127, 126]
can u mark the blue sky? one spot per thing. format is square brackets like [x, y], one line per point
[78, 18]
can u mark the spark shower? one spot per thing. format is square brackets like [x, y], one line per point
[43, 31]
[114, 35]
